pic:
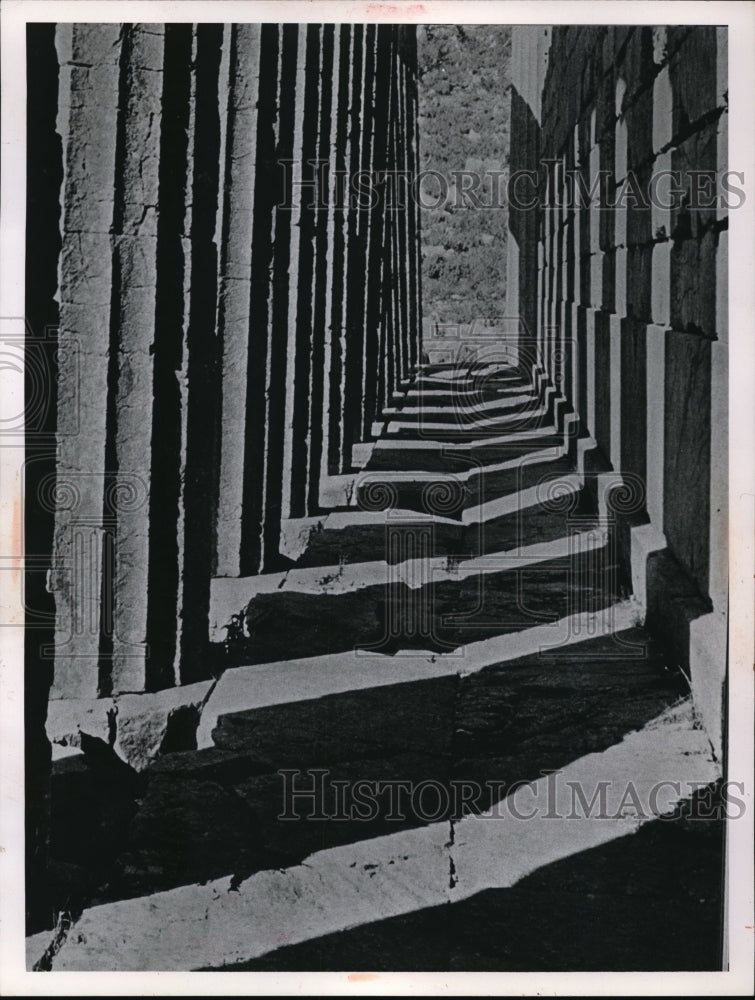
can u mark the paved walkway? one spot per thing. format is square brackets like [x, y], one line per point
[488, 737]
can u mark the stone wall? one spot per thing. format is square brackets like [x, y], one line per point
[626, 290]
[464, 126]
[231, 318]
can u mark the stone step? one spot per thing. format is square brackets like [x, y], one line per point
[469, 379]
[444, 614]
[250, 687]
[449, 495]
[469, 399]
[230, 594]
[501, 525]
[452, 408]
[239, 917]
[460, 469]
[433, 455]
[183, 814]
[523, 418]
[378, 502]
[456, 630]
[663, 882]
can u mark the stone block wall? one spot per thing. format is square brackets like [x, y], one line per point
[231, 312]
[626, 288]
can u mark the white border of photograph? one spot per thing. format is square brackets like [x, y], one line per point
[738, 981]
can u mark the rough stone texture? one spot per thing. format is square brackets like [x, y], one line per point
[145, 723]
[650, 99]
[234, 920]
[235, 291]
[87, 122]
[464, 125]
[174, 812]
[135, 285]
[687, 458]
[137, 727]
[693, 286]
[172, 227]
[634, 400]
[660, 880]
[198, 868]
[692, 70]
[673, 604]
[68, 718]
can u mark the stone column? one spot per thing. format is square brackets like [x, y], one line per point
[168, 609]
[134, 283]
[200, 356]
[342, 242]
[708, 634]
[385, 339]
[296, 440]
[333, 277]
[323, 221]
[412, 162]
[353, 371]
[261, 393]
[576, 386]
[660, 297]
[368, 220]
[689, 344]
[274, 264]
[240, 172]
[373, 312]
[90, 58]
[617, 239]
[402, 234]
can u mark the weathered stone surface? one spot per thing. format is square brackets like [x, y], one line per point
[673, 603]
[634, 385]
[687, 468]
[661, 881]
[693, 285]
[473, 681]
[184, 831]
[136, 726]
[228, 921]
[145, 722]
[414, 717]
[92, 802]
[68, 718]
[660, 284]
[501, 710]
[692, 70]
[87, 123]
[464, 125]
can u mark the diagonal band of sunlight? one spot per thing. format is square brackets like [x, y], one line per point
[261, 685]
[231, 593]
[218, 924]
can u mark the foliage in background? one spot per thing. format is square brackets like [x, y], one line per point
[464, 121]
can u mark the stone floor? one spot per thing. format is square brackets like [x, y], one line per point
[489, 678]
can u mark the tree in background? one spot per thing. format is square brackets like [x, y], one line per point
[464, 125]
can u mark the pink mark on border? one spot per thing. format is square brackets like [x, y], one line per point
[394, 10]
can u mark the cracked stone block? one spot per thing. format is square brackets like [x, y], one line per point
[692, 70]
[146, 721]
[67, 719]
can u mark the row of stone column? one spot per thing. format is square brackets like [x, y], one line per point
[232, 318]
[631, 288]
[323, 263]
[634, 289]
